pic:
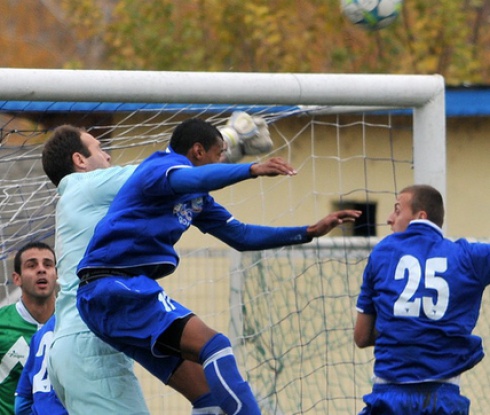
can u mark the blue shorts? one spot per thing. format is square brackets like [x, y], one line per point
[130, 314]
[430, 398]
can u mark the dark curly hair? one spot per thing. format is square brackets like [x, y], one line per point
[191, 131]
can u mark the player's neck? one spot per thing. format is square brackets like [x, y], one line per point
[40, 310]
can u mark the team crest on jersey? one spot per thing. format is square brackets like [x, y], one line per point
[186, 211]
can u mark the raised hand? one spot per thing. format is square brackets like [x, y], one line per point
[275, 166]
[331, 221]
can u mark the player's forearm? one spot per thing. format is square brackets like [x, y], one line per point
[209, 177]
[245, 237]
[364, 330]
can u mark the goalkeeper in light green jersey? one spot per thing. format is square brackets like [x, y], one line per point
[35, 274]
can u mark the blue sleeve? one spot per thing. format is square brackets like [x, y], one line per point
[24, 385]
[23, 405]
[479, 254]
[23, 393]
[365, 299]
[246, 237]
[207, 178]
[217, 221]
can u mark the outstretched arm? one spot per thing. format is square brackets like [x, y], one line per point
[246, 237]
[325, 225]
[216, 176]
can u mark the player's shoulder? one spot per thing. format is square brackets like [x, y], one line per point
[45, 332]
[96, 183]
[98, 174]
[473, 249]
[387, 242]
[9, 310]
[165, 158]
[108, 173]
[14, 327]
[49, 325]
[158, 166]
[7, 307]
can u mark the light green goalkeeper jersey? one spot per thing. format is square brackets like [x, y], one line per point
[84, 200]
[16, 330]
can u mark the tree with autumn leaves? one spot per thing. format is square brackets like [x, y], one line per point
[448, 37]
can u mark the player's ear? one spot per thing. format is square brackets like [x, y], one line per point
[17, 280]
[422, 215]
[79, 162]
[196, 154]
[198, 151]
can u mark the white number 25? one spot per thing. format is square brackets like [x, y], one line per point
[408, 306]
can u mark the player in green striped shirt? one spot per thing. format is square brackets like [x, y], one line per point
[35, 274]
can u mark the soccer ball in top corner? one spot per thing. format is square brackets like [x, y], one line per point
[371, 14]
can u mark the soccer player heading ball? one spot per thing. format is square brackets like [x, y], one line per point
[133, 246]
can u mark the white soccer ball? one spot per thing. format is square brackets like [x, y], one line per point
[371, 14]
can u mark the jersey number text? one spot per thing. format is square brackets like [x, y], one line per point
[407, 305]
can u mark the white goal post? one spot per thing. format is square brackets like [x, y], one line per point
[422, 93]
[354, 139]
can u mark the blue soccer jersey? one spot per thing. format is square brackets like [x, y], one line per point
[34, 388]
[152, 211]
[134, 244]
[426, 293]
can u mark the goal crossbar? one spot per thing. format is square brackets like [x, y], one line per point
[220, 87]
[422, 93]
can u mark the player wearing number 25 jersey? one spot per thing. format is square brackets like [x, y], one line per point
[432, 291]
[424, 294]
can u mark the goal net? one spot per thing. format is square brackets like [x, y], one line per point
[355, 140]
